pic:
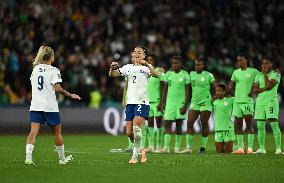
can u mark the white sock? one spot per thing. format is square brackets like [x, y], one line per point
[60, 150]
[29, 151]
[135, 153]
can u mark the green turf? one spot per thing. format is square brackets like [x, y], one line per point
[94, 163]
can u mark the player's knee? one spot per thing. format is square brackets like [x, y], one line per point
[137, 131]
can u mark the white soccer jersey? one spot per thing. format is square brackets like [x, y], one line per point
[43, 79]
[137, 83]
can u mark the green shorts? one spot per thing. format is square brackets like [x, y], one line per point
[243, 109]
[172, 112]
[205, 106]
[154, 111]
[225, 136]
[268, 111]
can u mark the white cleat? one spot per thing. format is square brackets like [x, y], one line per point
[187, 150]
[278, 151]
[260, 151]
[166, 150]
[158, 149]
[67, 160]
[150, 149]
[176, 150]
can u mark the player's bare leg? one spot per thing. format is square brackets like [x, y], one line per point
[59, 145]
[239, 131]
[30, 142]
[204, 117]
[228, 146]
[250, 132]
[219, 147]
[167, 136]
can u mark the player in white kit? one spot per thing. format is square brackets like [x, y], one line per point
[45, 81]
[137, 104]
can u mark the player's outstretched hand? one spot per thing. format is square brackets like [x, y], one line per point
[114, 65]
[75, 97]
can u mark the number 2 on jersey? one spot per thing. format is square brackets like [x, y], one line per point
[134, 79]
[40, 83]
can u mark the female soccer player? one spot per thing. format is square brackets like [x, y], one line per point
[267, 105]
[45, 81]
[175, 101]
[201, 105]
[243, 108]
[224, 127]
[155, 88]
[137, 108]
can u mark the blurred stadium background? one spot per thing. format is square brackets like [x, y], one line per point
[88, 35]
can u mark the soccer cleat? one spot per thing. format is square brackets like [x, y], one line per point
[143, 156]
[158, 149]
[176, 150]
[133, 161]
[29, 162]
[278, 151]
[166, 150]
[239, 151]
[249, 151]
[202, 150]
[150, 149]
[67, 160]
[260, 151]
[186, 150]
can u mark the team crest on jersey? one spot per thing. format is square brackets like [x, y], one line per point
[180, 79]
[225, 103]
[248, 75]
[202, 79]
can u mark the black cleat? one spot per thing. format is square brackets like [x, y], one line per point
[202, 150]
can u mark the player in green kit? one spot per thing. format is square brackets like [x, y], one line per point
[223, 125]
[267, 105]
[242, 79]
[201, 105]
[175, 101]
[155, 87]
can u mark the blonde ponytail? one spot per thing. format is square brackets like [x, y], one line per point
[43, 54]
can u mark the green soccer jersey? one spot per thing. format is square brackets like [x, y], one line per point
[244, 80]
[266, 96]
[154, 87]
[223, 113]
[176, 86]
[200, 84]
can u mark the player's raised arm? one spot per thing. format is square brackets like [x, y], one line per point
[269, 84]
[113, 71]
[62, 91]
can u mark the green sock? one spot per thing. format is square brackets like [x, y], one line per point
[189, 140]
[178, 141]
[167, 140]
[250, 141]
[159, 136]
[276, 134]
[261, 134]
[240, 140]
[144, 135]
[130, 144]
[151, 136]
[204, 141]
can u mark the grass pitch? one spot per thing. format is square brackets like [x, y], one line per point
[94, 163]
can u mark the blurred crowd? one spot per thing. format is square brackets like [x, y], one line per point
[88, 35]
